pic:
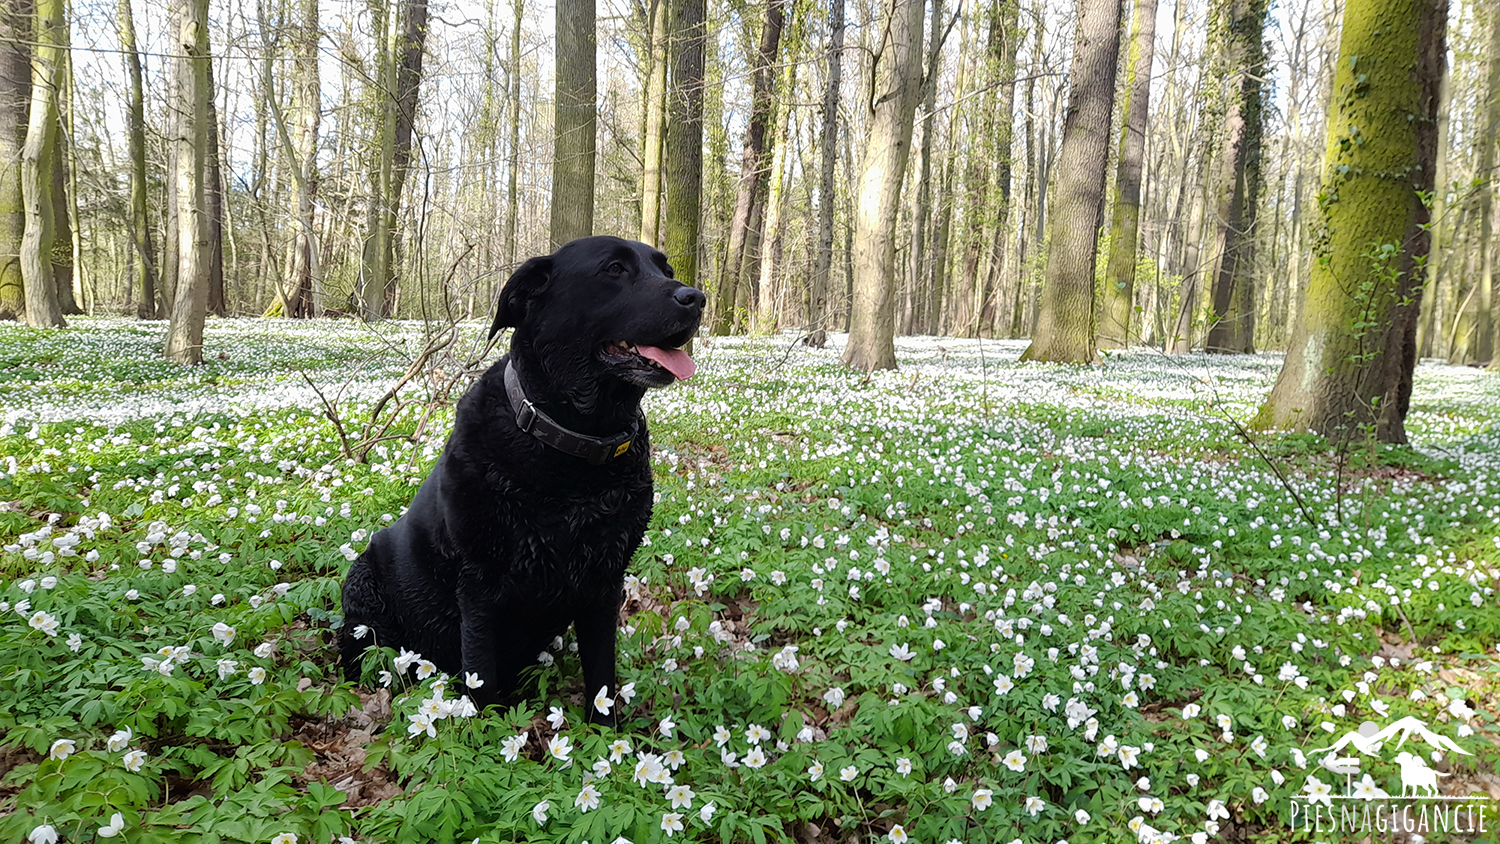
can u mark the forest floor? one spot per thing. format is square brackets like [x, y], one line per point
[969, 600]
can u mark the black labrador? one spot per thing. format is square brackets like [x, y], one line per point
[527, 521]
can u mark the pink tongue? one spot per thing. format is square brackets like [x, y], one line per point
[674, 361]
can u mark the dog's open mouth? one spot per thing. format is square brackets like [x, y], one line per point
[649, 359]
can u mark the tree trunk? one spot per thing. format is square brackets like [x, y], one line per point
[1351, 358]
[1442, 227]
[214, 195]
[575, 117]
[513, 148]
[38, 160]
[898, 77]
[921, 222]
[1187, 310]
[1484, 323]
[185, 330]
[401, 34]
[766, 314]
[1119, 274]
[734, 277]
[68, 297]
[303, 287]
[1065, 332]
[143, 270]
[656, 124]
[1232, 328]
[1004, 41]
[817, 305]
[684, 144]
[15, 100]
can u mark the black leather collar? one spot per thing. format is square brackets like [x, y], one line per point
[596, 450]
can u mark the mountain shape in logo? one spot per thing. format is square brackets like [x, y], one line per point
[1368, 739]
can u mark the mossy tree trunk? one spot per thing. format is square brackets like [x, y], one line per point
[1065, 329]
[1348, 369]
[898, 81]
[38, 161]
[400, 28]
[1489, 133]
[190, 155]
[1119, 275]
[656, 123]
[575, 118]
[15, 99]
[683, 213]
[1241, 25]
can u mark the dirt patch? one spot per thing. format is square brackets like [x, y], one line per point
[339, 745]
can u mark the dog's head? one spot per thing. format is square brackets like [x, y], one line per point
[602, 307]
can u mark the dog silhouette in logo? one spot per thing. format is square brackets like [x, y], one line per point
[1416, 775]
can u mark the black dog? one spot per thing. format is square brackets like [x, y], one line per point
[527, 521]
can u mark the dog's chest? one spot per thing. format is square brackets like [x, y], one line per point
[562, 544]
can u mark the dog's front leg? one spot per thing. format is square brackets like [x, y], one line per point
[477, 640]
[596, 628]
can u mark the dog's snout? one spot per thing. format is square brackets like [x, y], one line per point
[689, 297]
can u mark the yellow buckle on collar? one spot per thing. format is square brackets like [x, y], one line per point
[624, 447]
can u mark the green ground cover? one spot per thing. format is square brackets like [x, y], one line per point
[970, 600]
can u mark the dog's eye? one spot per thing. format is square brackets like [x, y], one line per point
[615, 268]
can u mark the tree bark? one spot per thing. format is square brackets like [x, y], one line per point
[684, 144]
[143, 271]
[1065, 332]
[1484, 323]
[1119, 275]
[898, 76]
[15, 100]
[656, 124]
[575, 118]
[1232, 327]
[817, 305]
[303, 286]
[214, 195]
[38, 160]
[185, 330]
[1348, 369]
[749, 201]
[513, 148]
[921, 222]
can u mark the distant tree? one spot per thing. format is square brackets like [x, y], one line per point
[683, 214]
[1489, 136]
[400, 39]
[190, 161]
[732, 297]
[144, 267]
[15, 100]
[1117, 309]
[656, 123]
[300, 293]
[575, 117]
[1240, 25]
[1349, 366]
[39, 157]
[1065, 331]
[817, 305]
[892, 109]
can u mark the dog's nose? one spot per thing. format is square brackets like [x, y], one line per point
[689, 297]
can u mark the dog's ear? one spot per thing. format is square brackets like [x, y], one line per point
[519, 290]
